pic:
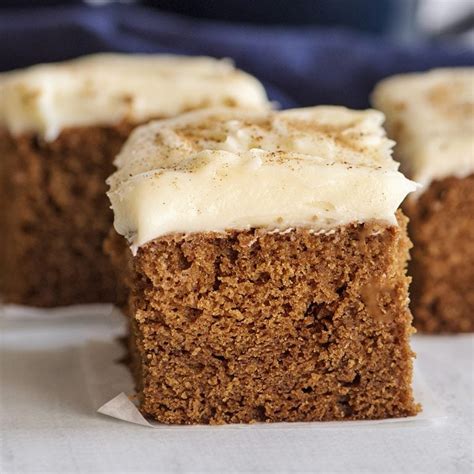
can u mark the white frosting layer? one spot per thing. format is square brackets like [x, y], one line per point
[107, 88]
[219, 169]
[431, 116]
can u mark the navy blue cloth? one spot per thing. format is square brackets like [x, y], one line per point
[300, 66]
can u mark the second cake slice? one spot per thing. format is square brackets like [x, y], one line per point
[61, 126]
[431, 117]
[267, 267]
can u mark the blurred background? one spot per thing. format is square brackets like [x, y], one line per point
[306, 52]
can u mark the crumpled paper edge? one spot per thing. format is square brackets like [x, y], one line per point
[122, 408]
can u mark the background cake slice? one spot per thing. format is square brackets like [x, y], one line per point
[431, 116]
[60, 127]
[266, 267]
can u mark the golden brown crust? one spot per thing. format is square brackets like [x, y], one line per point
[442, 230]
[250, 326]
[56, 215]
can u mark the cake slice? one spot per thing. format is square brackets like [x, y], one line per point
[61, 125]
[431, 116]
[265, 262]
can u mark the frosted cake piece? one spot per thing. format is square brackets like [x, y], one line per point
[431, 116]
[264, 259]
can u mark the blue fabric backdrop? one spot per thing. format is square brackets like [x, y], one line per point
[300, 66]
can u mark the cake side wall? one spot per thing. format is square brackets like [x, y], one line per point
[442, 265]
[257, 326]
[59, 215]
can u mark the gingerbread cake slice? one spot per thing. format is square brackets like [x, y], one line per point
[61, 125]
[265, 262]
[431, 116]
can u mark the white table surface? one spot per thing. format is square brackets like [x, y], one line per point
[49, 423]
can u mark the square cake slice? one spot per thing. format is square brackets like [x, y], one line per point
[431, 116]
[61, 126]
[266, 267]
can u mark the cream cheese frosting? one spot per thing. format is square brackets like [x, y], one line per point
[104, 89]
[218, 169]
[431, 116]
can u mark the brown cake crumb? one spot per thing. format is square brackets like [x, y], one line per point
[55, 216]
[251, 325]
[442, 265]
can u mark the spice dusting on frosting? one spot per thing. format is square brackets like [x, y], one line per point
[224, 169]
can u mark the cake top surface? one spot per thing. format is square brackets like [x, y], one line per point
[220, 169]
[104, 89]
[431, 116]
